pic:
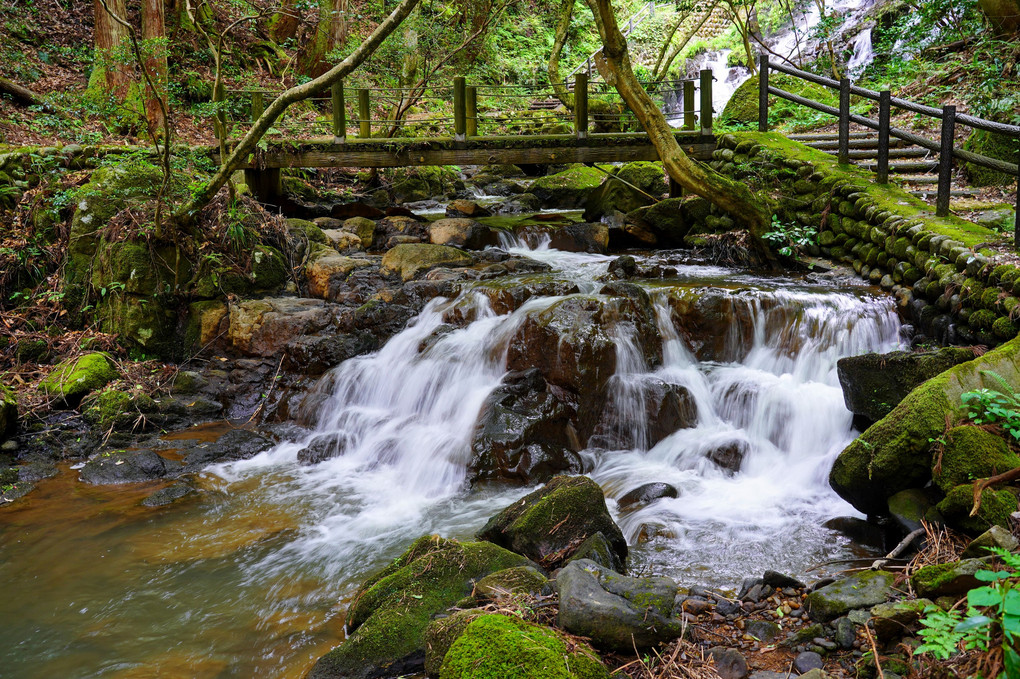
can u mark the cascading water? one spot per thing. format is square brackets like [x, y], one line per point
[863, 53]
[254, 576]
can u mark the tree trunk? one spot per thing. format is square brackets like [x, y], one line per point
[312, 61]
[664, 62]
[111, 73]
[248, 144]
[154, 37]
[731, 196]
[1004, 15]
[283, 25]
[562, 25]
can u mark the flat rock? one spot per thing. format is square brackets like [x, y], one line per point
[862, 590]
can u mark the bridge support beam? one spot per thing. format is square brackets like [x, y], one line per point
[266, 185]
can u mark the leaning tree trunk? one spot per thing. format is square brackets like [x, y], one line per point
[1004, 15]
[664, 62]
[562, 25]
[154, 35]
[248, 144]
[733, 197]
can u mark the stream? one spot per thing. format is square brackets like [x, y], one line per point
[253, 578]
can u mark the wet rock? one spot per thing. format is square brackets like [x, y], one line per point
[724, 319]
[846, 633]
[73, 378]
[525, 433]
[391, 611]
[522, 204]
[412, 259]
[170, 494]
[955, 578]
[764, 631]
[775, 579]
[396, 226]
[908, 508]
[729, 663]
[8, 412]
[859, 530]
[263, 327]
[807, 661]
[549, 524]
[466, 208]
[343, 241]
[862, 590]
[598, 549]
[570, 237]
[461, 233]
[188, 382]
[665, 408]
[517, 580]
[505, 646]
[568, 189]
[123, 466]
[315, 354]
[615, 611]
[996, 536]
[236, 444]
[893, 620]
[665, 220]
[623, 266]
[363, 228]
[729, 457]
[645, 495]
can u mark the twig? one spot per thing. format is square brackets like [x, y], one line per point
[898, 549]
[982, 484]
[874, 652]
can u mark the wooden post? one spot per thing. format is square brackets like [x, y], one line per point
[459, 109]
[706, 101]
[844, 121]
[1016, 219]
[266, 184]
[763, 94]
[258, 105]
[581, 105]
[946, 161]
[472, 111]
[884, 108]
[364, 115]
[339, 114]
[688, 104]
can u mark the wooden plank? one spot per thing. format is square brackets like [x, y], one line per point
[347, 156]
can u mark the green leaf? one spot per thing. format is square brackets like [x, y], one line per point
[984, 596]
[1011, 603]
[973, 623]
[991, 576]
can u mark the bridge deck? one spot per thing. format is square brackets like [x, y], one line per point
[490, 150]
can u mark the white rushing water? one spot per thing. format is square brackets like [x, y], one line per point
[402, 420]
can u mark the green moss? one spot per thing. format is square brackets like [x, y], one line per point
[996, 506]
[742, 107]
[500, 647]
[8, 412]
[567, 189]
[441, 633]
[308, 229]
[993, 145]
[981, 319]
[268, 268]
[519, 580]
[115, 408]
[971, 453]
[74, 378]
[410, 259]
[1004, 329]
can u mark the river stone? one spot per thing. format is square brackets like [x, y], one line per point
[363, 228]
[896, 452]
[466, 208]
[908, 508]
[777, 579]
[549, 524]
[525, 433]
[236, 444]
[73, 378]
[955, 578]
[631, 186]
[996, 536]
[666, 408]
[262, 327]
[665, 220]
[764, 631]
[507, 647]
[568, 189]
[645, 495]
[397, 226]
[326, 269]
[517, 580]
[862, 590]
[524, 203]
[170, 494]
[729, 663]
[411, 259]
[461, 233]
[892, 620]
[615, 611]
[442, 632]
[391, 611]
[597, 549]
[807, 661]
[123, 466]
[846, 633]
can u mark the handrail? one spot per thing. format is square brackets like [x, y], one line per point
[945, 147]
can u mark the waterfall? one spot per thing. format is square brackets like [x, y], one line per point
[863, 54]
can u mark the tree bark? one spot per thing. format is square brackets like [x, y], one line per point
[250, 141]
[733, 197]
[562, 26]
[22, 94]
[154, 37]
[664, 62]
[312, 61]
[283, 25]
[1004, 15]
[111, 72]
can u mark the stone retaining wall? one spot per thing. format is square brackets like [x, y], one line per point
[939, 269]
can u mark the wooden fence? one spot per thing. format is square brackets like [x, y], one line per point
[945, 147]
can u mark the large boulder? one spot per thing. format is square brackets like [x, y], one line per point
[412, 184]
[73, 378]
[263, 327]
[525, 433]
[362, 227]
[573, 237]
[327, 270]
[862, 590]
[387, 621]
[971, 453]
[615, 611]
[124, 466]
[666, 220]
[569, 189]
[398, 228]
[630, 187]
[510, 648]
[874, 384]
[549, 524]
[742, 107]
[996, 508]
[662, 409]
[895, 453]
[461, 232]
[411, 259]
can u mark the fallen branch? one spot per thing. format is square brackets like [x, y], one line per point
[26, 96]
[898, 549]
[982, 484]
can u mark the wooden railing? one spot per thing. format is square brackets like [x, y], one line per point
[944, 147]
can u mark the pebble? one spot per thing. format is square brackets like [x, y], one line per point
[825, 643]
[846, 634]
[729, 663]
[807, 661]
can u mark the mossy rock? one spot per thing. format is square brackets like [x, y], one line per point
[742, 107]
[442, 632]
[993, 145]
[72, 379]
[895, 453]
[113, 408]
[862, 590]
[615, 195]
[268, 268]
[411, 184]
[665, 219]
[519, 580]
[996, 506]
[8, 412]
[954, 578]
[140, 321]
[298, 188]
[549, 524]
[390, 613]
[307, 229]
[972, 453]
[502, 647]
[568, 189]
[410, 259]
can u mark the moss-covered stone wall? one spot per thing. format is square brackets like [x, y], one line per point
[939, 268]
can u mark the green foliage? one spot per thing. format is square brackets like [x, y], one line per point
[988, 406]
[993, 612]
[790, 239]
